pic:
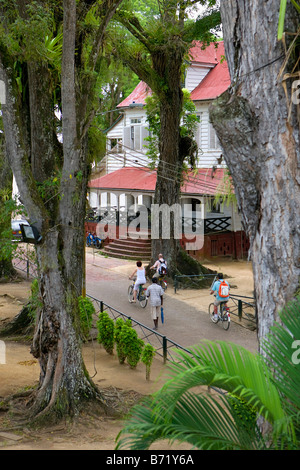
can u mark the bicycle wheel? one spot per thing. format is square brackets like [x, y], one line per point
[211, 313]
[164, 286]
[225, 315]
[130, 293]
[142, 299]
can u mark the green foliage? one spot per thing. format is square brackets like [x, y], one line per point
[105, 327]
[86, 312]
[96, 144]
[225, 192]
[8, 206]
[50, 187]
[129, 345]
[255, 388]
[35, 303]
[27, 37]
[120, 345]
[282, 13]
[148, 354]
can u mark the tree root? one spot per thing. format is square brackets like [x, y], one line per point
[111, 403]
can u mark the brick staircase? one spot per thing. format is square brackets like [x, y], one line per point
[128, 248]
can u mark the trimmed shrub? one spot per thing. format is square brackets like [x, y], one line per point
[86, 312]
[106, 327]
[129, 345]
[147, 358]
[121, 352]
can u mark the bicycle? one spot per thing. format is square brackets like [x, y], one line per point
[162, 283]
[223, 314]
[141, 295]
[93, 240]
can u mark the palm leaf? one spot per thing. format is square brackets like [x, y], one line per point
[204, 422]
[282, 11]
[281, 355]
[231, 368]
[281, 19]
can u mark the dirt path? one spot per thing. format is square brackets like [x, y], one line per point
[21, 370]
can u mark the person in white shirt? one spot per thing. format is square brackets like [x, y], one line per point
[139, 272]
[155, 292]
[157, 265]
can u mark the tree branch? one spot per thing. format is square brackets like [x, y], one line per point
[134, 27]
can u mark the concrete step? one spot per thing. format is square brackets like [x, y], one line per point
[122, 251]
[140, 257]
[139, 249]
[130, 247]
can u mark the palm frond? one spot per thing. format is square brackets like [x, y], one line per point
[206, 423]
[231, 368]
[281, 19]
[252, 386]
[282, 350]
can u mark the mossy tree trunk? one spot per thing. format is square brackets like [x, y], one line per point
[262, 148]
[158, 59]
[52, 182]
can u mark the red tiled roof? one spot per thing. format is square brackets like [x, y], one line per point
[213, 85]
[205, 182]
[138, 95]
[127, 178]
[207, 55]
[216, 81]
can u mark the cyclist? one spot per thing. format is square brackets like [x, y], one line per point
[161, 267]
[139, 272]
[221, 289]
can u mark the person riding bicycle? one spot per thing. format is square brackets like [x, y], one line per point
[221, 289]
[160, 266]
[139, 272]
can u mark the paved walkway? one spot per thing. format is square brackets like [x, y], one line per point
[185, 323]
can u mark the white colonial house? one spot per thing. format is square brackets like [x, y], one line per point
[123, 180]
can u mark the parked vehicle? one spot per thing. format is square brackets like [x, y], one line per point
[93, 240]
[16, 229]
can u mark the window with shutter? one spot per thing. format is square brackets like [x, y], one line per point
[127, 131]
[213, 139]
[137, 137]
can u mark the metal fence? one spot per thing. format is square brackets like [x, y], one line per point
[26, 266]
[244, 308]
[163, 345]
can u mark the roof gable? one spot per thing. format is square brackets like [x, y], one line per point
[138, 96]
[216, 81]
[214, 84]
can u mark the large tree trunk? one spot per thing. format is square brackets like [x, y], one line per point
[168, 67]
[64, 382]
[261, 148]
